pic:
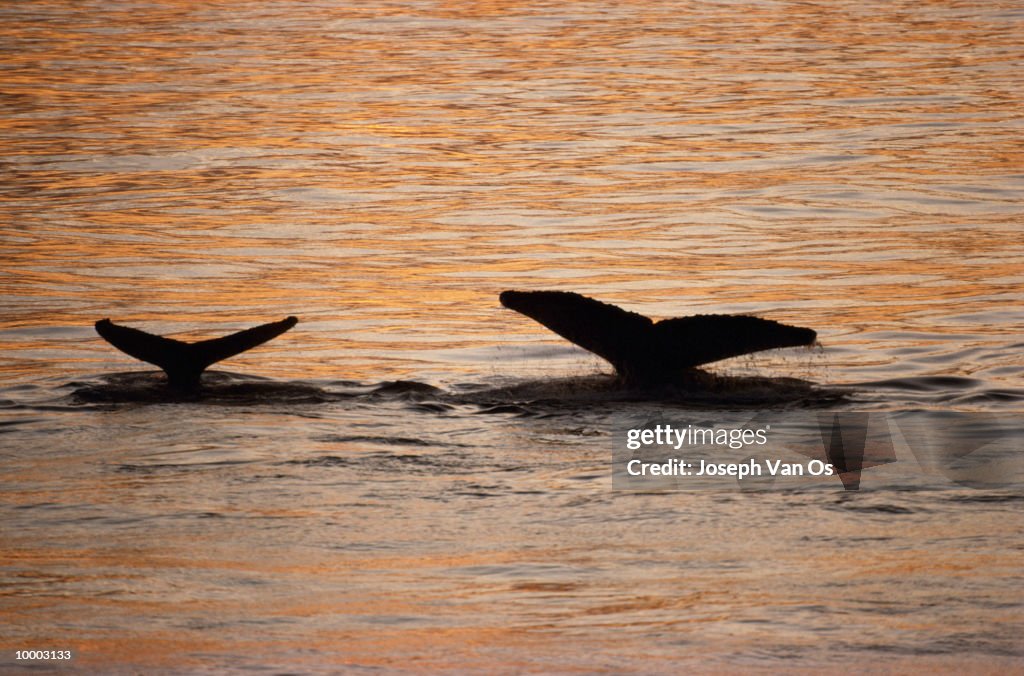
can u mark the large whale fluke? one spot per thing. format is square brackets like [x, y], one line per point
[185, 362]
[645, 352]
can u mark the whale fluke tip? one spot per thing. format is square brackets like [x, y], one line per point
[644, 352]
[184, 362]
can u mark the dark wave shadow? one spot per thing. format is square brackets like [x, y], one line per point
[231, 389]
[710, 392]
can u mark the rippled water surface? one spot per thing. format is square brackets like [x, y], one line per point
[414, 478]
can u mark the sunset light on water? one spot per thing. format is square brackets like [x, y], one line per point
[415, 478]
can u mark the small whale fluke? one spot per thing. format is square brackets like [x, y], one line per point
[185, 362]
[647, 353]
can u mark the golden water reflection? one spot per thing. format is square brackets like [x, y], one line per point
[851, 167]
[383, 172]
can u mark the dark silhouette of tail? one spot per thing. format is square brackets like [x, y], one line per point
[185, 362]
[647, 353]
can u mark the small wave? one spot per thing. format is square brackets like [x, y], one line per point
[150, 468]
[7, 425]
[321, 461]
[431, 407]
[924, 384]
[384, 461]
[514, 409]
[880, 509]
[404, 388]
[987, 498]
[993, 396]
[388, 441]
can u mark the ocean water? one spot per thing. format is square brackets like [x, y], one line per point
[415, 479]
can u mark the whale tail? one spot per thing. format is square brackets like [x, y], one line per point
[645, 352]
[183, 362]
